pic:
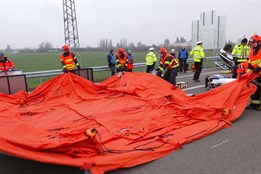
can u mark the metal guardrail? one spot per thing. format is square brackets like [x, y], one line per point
[96, 69]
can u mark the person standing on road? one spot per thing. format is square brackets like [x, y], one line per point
[183, 57]
[151, 60]
[240, 54]
[111, 62]
[69, 60]
[198, 54]
[130, 61]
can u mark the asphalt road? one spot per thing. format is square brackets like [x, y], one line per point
[235, 150]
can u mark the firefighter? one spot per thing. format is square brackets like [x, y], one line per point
[69, 60]
[168, 66]
[121, 61]
[130, 61]
[255, 61]
[151, 60]
[199, 56]
[5, 64]
[240, 53]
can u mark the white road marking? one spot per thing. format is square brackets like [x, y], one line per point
[219, 144]
[190, 75]
[194, 87]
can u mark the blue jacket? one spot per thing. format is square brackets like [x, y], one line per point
[111, 59]
[183, 54]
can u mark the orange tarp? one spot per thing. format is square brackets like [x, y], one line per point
[138, 117]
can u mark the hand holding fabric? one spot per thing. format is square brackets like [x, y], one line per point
[256, 69]
[159, 72]
[65, 70]
[241, 77]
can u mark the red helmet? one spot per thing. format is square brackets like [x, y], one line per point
[120, 50]
[163, 50]
[254, 38]
[65, 48]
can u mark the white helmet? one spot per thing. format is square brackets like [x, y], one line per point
[172, 50]
[199, 42]
[151, 49]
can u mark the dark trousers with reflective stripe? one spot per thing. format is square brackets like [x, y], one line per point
[257, 95]
[170, 75]
[198, 67]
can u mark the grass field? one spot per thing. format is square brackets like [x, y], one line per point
[29, 62]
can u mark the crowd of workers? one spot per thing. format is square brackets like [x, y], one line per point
[169, 63]
[247, 56]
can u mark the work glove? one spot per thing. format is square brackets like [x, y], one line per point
[65, 70]
[121, 69]
[159, 72]
[256, 69]
[157, 69]
[10, 69]
[78, 67]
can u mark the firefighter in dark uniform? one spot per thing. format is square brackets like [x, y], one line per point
[169, 66]
[69, 60]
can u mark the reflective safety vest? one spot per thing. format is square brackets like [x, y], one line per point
[198, 53]
[68, 61]
[241, 52]
[6, 65]
[168, 61]
[151, 58]
[255, 60]
[121, 62]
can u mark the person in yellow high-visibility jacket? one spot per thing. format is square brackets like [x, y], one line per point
[240, 53]
[198, 54]
[151, 60]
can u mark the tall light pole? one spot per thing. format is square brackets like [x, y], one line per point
[70, 26]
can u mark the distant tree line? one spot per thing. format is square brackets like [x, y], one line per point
[106, 44]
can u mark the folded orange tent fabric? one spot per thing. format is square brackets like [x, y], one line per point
[135, 119]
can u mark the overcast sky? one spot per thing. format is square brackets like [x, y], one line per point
[27, 23]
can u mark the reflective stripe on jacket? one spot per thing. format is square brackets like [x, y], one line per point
[241, 52]
[198, 53]
[151, 58]
[121, 62]
[169, 61]
[255, 57]
[68, 61]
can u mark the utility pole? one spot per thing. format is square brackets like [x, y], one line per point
[70, 26]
